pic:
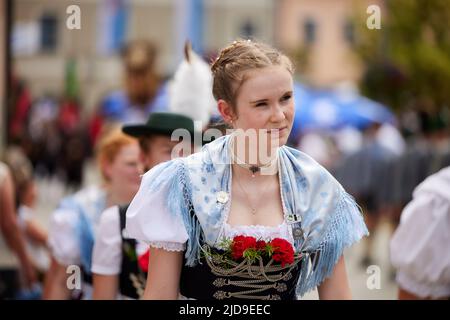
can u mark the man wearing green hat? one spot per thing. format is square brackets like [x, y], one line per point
[119, 263]
[155, 136]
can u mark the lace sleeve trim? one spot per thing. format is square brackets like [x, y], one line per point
[168, 246]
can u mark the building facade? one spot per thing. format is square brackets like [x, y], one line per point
[326, 30]
[44, 43]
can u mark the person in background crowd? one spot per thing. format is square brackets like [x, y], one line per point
[75, 148]
[73, 225]
[426, 153]
[12, 243]
[364, 174]
[143, 91]
[419, 247]
[120, 264]
[26, 196]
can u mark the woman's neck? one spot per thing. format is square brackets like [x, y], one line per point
[251, 156]
[116, 196]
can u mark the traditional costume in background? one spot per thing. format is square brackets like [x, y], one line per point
[73, 227]
[419, 247]
[190, 99]
[114, 252]
[117, 255]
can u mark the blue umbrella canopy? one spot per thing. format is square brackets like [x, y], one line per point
[331, 110]
[360, 111]
[315, 110]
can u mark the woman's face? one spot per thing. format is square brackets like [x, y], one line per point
[125, 170]
[265, 102]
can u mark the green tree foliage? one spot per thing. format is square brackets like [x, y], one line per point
[408, 59]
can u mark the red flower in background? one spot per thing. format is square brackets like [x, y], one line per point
[240, 244]
[282, 251]
[143, 261]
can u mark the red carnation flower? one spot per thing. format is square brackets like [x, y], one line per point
[261, 245]
[240, 244]
[282, 251]
[143, 261]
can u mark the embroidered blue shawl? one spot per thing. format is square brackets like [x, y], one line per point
[313, 202]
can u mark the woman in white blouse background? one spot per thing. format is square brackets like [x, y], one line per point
[119, 164]
[420, 245]
[156, 147]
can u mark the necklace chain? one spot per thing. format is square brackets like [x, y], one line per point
[253, 209]
[253, 169]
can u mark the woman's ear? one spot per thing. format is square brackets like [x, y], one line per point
[226, 111]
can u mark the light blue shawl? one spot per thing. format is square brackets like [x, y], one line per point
[323, 218]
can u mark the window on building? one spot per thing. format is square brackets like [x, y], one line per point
[309, 28]
[49, 32]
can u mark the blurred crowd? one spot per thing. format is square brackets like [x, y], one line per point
[382, 164]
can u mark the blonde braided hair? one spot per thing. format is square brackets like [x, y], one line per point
[230, 67]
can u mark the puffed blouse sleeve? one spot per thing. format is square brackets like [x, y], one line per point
[62, 237]
[419, 247]
[151, 216]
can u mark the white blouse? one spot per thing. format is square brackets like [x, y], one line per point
[154, 225]
[107, 254]
[420, 245]
[62, 236]
[160, 229]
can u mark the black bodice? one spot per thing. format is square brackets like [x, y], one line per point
[132, 278]
[200, 282]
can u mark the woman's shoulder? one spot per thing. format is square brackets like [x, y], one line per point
[83, 196]
[110, 217]
[435, 185]
[63, 218]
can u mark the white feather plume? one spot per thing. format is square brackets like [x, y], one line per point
[190, 90]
